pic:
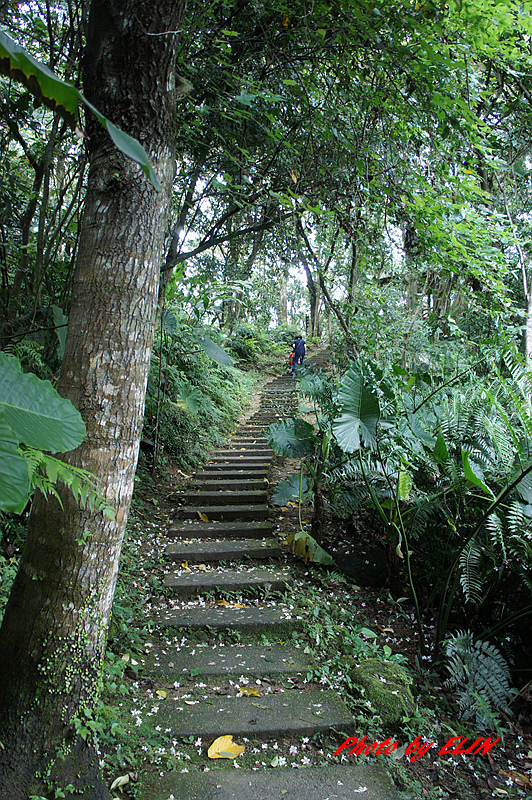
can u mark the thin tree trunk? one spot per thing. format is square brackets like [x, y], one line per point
[283, 299]
[53, 635]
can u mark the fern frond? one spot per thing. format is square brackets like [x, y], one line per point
[495, 530]
[46, 471]
[470, 577]
[481, 676]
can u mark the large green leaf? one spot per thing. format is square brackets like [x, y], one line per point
[420, 432]
[288, 491]
[360, 412]
[214, 350]
[37, 415]
[304, 545]
[14, 479]
[293, 438]
[474, 474]
[64, 98]
[441, 454]
[60, 322]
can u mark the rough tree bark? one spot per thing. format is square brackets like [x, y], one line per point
[53, 636]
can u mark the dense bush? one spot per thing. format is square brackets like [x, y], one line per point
[191, 401]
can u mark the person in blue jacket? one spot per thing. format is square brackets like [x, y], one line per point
[299, 350]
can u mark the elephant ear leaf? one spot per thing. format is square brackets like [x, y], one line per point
[16, 63]
[14, 480]
[360, 413]
[287, 491]
[36, 414]
[292, 438]
[64, 99]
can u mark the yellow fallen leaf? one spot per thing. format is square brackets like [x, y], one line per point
[224, 747]
[120, 782]
[399, 551]
[184, 564]
[161, 693]
[284, 508]
[249, 691]
[202, 516]
[223, 603]
[125, 657]
[518, 777]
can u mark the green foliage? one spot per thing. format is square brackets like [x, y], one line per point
[480, 676]
[45, 472]
[32, 415]
[304, 545]
[192, 397]
[63, 98]
[359, 412]
[37, 415]
[292, 438]
[291, 490]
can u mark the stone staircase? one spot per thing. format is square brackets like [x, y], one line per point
[224, 517]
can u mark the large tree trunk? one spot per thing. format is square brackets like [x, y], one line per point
[53, 636]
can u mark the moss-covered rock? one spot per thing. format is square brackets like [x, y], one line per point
[387, 687]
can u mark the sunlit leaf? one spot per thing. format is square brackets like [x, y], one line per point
[161, 693]
[249, 691]
[304, 545]
[202, 516]
[224, 747]
[405, 484]
[119, 782]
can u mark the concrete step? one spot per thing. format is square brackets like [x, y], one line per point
[249, 443]
[224, 513]
[224, 550]
[207, 483]
[190, 583]
[215, 529]
[240, 460]
[246, 620]
[225, 497]
[289, 713]
[335, 782]
[241, 659]
[238, 451]
[253, 470]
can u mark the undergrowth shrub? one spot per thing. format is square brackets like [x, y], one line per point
[480, 677]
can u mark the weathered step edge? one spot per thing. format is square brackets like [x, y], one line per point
[248, 620]
[236, 529]
[224, 550]
[191, 583]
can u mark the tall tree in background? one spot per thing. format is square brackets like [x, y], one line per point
[53, 635]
